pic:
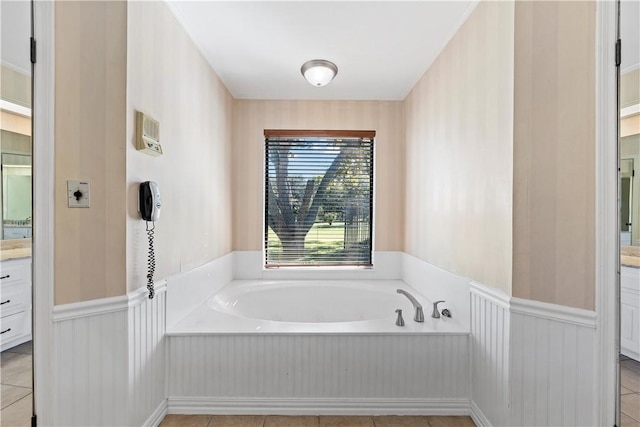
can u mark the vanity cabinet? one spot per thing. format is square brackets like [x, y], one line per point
[630, 312]
[15, 302]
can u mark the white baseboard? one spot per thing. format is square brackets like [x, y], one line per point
[156, 417]
[315, 406]
[478, 416]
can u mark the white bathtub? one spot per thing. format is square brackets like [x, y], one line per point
[294, 347]
[312, 306]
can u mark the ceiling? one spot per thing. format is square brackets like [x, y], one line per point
[381, 48]
[257, 48]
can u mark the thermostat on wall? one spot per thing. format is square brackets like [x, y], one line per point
[148, 135]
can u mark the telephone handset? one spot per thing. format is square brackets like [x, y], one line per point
[150, 202]
[150, 205]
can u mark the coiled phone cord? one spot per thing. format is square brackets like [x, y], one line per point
[151, 263]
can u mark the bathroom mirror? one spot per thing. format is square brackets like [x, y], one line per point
[16, 185]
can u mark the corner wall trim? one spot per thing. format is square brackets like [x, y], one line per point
[104, 305]
[494, 295]
[314, 406]
[478, 416]
[156, 417]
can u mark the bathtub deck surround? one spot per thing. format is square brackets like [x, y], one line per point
[326, 346]
[312, 307]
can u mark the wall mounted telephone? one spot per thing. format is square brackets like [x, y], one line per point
[149, 204]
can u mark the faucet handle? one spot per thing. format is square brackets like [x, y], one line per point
[419, 317]
[436, 313]
[399, 320]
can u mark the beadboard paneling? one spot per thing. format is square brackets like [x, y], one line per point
[90, 375]
[553, 372]
[318, 366]
[533, 364]
[147, 368]
[109, 364]
[490, 328]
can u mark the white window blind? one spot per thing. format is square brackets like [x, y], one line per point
[318, 198]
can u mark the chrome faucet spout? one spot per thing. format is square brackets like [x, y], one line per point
[419, 317]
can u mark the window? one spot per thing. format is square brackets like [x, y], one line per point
[318, 198]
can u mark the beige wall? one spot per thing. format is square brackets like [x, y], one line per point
[459, 152]
[169, 80]
[15, 86]
[252, 117]
[90, 93]
[554, 166]
[630, 126]
[15, 123]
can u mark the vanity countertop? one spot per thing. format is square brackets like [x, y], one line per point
[630, 256]
[15, 249]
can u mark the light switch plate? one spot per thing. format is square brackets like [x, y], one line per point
[83, 197]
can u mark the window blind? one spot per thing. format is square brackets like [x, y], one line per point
[318, 198]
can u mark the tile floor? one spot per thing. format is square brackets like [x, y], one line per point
[17, 393]
[322, 421]
[630, 392]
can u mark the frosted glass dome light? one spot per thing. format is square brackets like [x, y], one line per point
[319, 72]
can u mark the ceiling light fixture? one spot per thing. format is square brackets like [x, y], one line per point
[319, 72]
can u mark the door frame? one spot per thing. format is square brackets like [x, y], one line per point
[43, 209]
[607, 262]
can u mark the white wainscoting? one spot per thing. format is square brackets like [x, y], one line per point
[490, 332]
[320, 374]
[147, 358]
[533, 363]
[553, 365]
[109, 361]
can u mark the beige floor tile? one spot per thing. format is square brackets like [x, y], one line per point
[16, 369]
[624, 390]
[11, 394]
[338, 421]
[630, 405]
[237, 421]
[627, 421]
[630, 379]
[24, 348]
[451, 422]
[18, 414]
[7, 356]
[281, 421]
[401, 421]
[176, 420]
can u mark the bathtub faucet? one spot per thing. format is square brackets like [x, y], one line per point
[419, 317]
